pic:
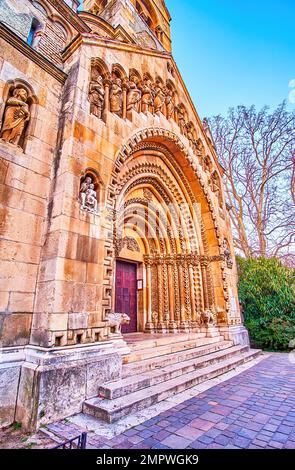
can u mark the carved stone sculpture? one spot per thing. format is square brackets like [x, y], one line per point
[207, 318]
[227, 254]
[116, 97]
[134, 94]
[117, 320]
[147, 96]
[160, 98]
[170, 107]
[16, 116]
[88, 196]
[96, 94]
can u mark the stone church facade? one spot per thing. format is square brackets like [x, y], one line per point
[113, 218]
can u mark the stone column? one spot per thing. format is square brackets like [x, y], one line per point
[161, 324]
[149, 325]
[204, 265]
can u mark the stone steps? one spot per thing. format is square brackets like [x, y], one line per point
[148, 352]
[162, 340]
[128, 385]
[111, 410]
[153, 363]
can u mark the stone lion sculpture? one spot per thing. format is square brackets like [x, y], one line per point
[207, 318]
[116, 320]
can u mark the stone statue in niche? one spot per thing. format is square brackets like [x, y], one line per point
[88, 196]
[16, 116]
[215, 184]
[96, 94]
[116, 97]
[181, 119]
[160, 98]
[147, 96]
[170, 107]
[134, 94]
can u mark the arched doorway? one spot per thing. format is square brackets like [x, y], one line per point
[158, 207]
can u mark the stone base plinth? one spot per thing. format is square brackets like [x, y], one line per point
[238, 334]
[46, 385]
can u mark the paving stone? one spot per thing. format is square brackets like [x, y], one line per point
[176, 442]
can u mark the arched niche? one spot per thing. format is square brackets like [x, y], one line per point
[90, 191]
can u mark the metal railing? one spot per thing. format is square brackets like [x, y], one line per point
[78, 442]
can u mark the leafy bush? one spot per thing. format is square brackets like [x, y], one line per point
[267, 295]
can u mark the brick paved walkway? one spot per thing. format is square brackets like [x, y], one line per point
[255, 409]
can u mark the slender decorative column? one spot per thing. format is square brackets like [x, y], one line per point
[172, 287]
[176, 293]
[161, 324]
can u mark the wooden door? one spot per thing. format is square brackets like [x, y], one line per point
[126, 293]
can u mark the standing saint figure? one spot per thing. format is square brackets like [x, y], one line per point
[116, 97]
[134, 95]
[96, 94]
[16, 116]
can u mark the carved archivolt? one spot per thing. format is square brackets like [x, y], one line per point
[183, 272]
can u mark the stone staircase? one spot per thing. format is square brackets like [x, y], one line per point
[156, 369]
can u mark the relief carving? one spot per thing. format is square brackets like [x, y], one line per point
[96, 94]
[134, 94]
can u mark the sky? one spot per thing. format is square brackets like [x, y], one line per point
[233, 52]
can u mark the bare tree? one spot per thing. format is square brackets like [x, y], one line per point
[257, 151]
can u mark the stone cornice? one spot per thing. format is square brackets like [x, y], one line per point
[11, 38]
[69, 15]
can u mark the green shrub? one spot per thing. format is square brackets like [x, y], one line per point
[267, 295]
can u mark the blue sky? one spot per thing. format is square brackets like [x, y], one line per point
[234, 52]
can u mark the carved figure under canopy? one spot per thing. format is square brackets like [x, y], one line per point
[96, 94]
[160, 98]
[16, 116]
[116, 97]
[134, 94]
